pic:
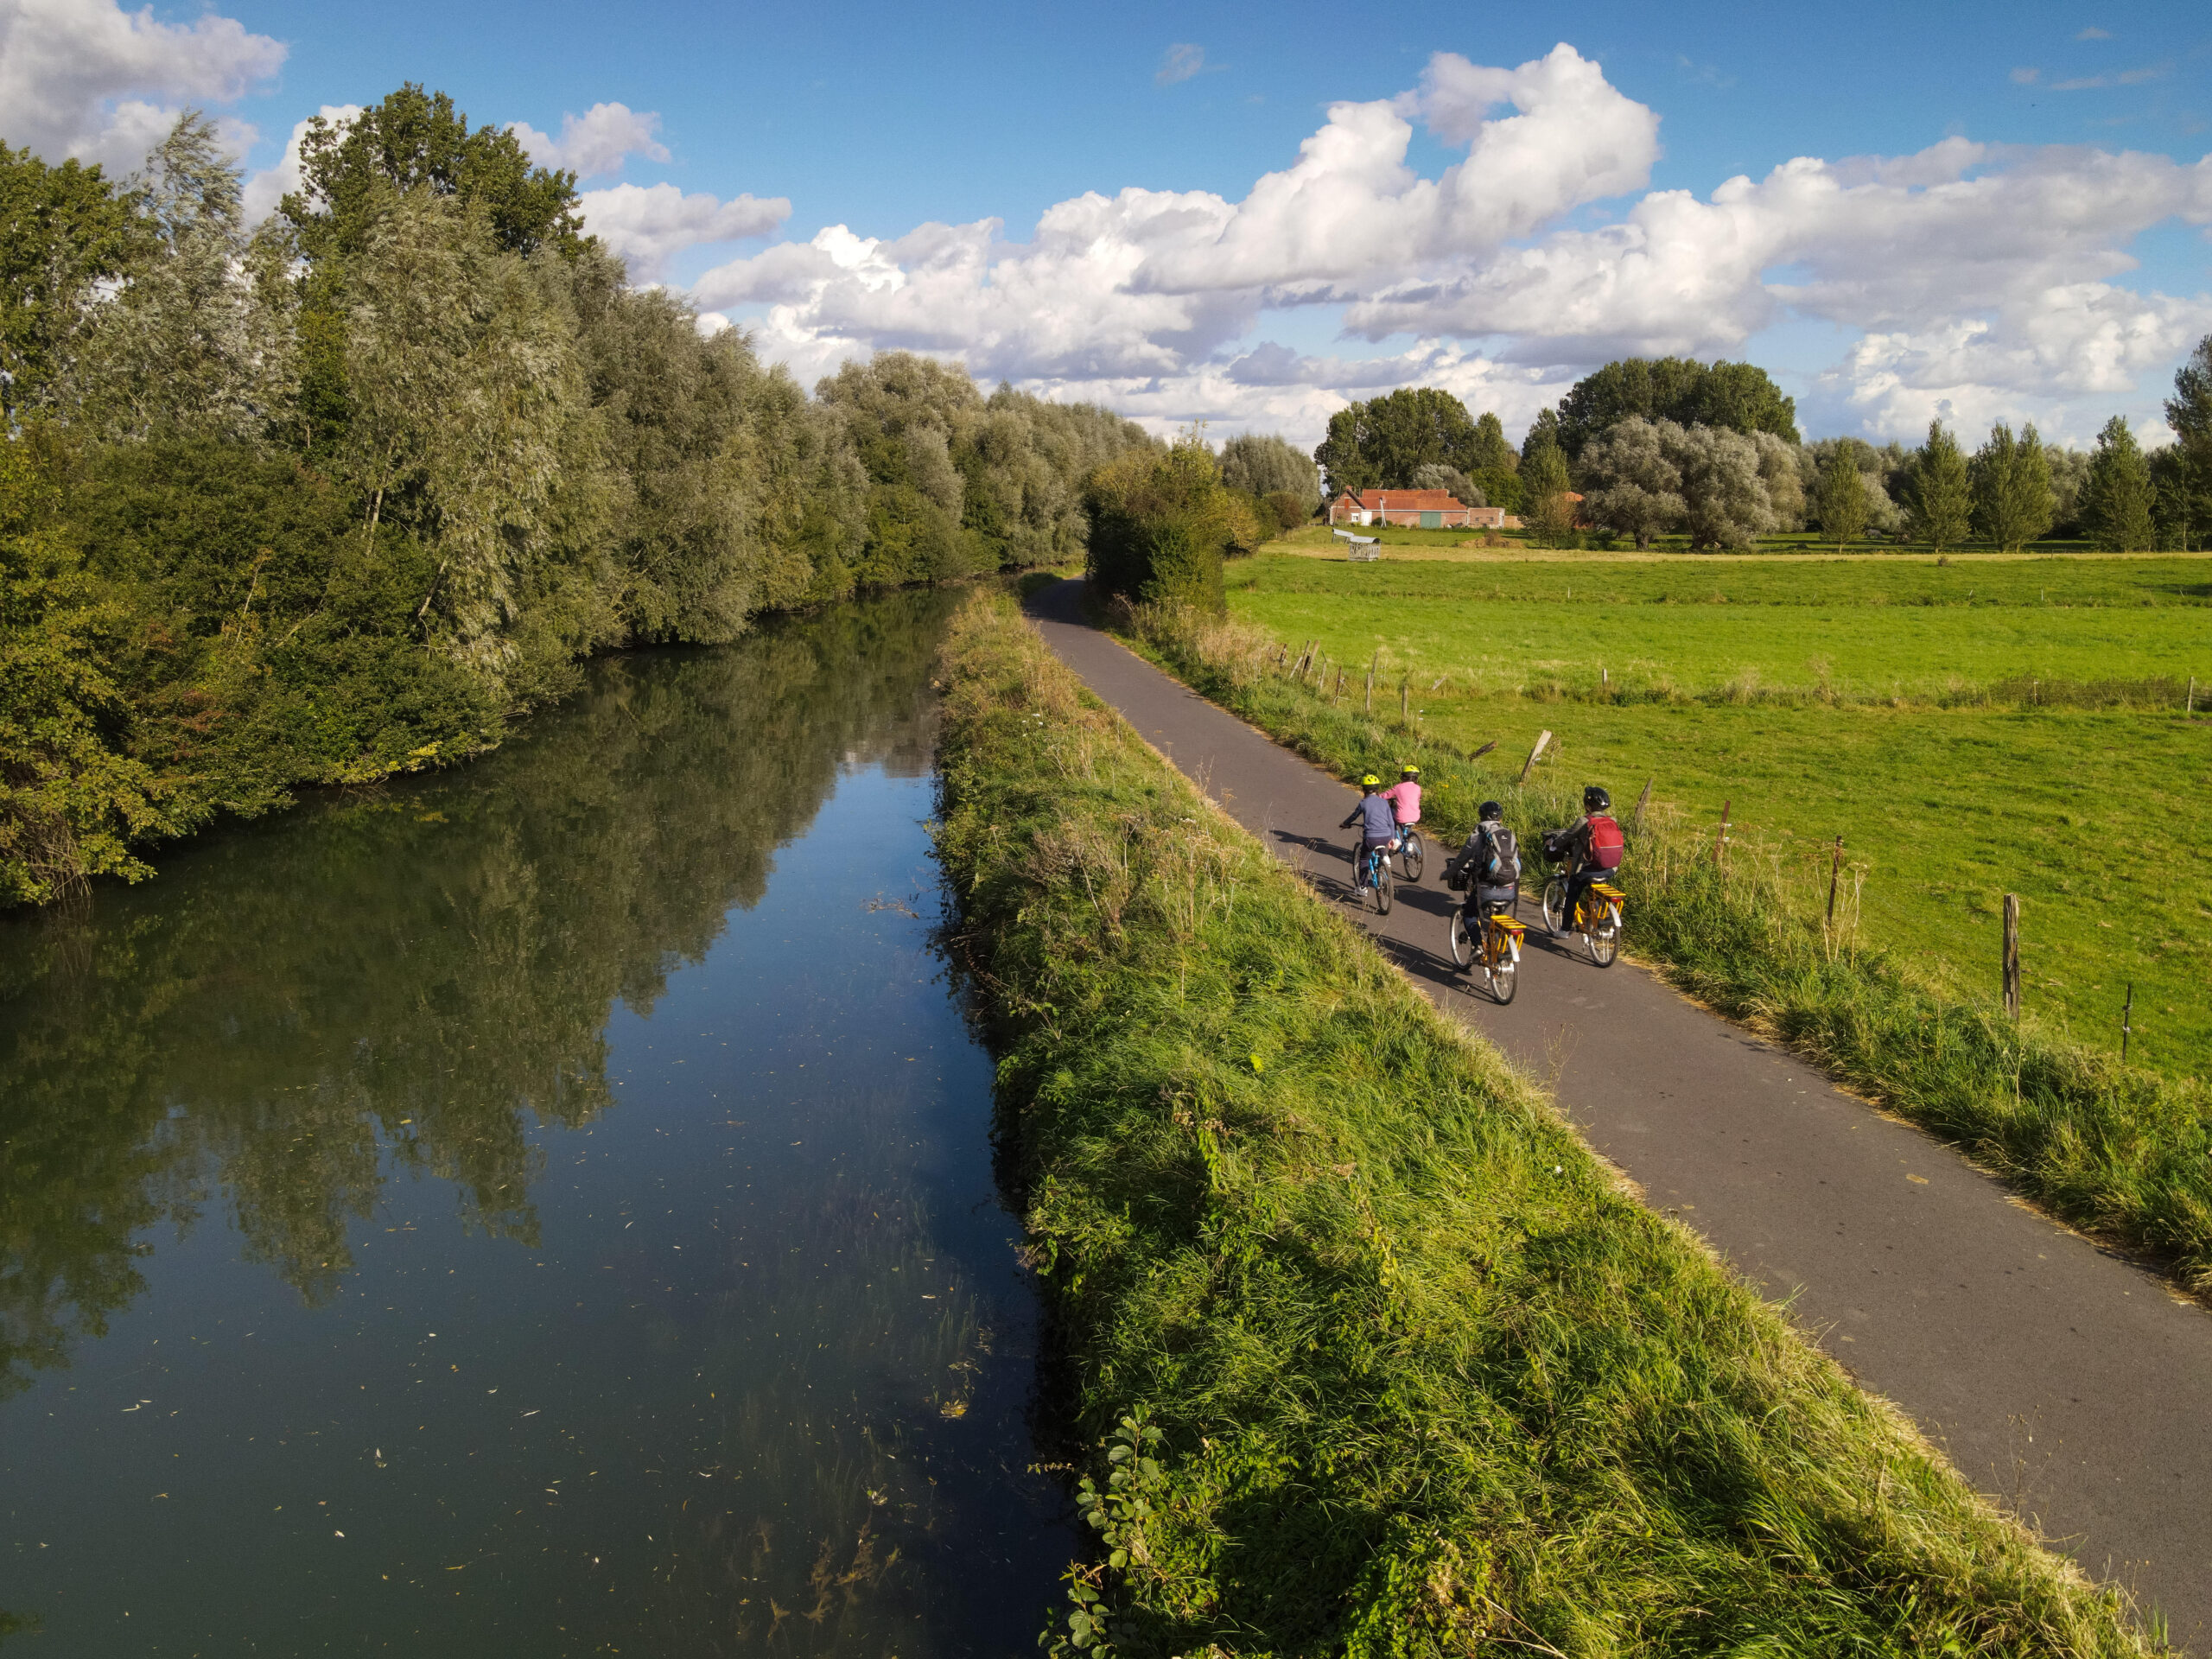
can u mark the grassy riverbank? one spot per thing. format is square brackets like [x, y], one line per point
[2124, 1152]
[1421, 1378]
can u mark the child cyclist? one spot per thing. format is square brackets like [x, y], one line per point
[1378, 825]
[1592, 848]
[1404, 797]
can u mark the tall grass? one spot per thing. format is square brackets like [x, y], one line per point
[1396, 1369]
[2124, 1152]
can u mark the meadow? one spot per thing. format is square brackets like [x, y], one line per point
[1971, 729]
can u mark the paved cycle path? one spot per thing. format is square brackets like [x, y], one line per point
[2061, 1379]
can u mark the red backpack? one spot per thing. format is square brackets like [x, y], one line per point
[1606, 842]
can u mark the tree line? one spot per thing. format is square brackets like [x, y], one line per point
[339, 494]
[1647, 448]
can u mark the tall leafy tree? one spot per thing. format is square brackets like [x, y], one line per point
[1939, 496]
[2012, 498]
[1841, 498]
[1269, 464]
[352, 173]
[2181, 503]
[1635, 486]
[62, 229]
[1739, 397]
[1491, 451]
[1380, 444]
[1549, 508]
[351, 170]
[2119, 497]
[469, 424]
[1161, 523]
[197, 337]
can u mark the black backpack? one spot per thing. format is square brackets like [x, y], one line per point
[1497, 859]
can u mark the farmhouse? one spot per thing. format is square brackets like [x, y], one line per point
[1417, 509]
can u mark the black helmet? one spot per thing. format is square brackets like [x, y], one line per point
[1491, 812]
[1594, 799]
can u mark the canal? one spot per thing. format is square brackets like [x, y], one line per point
[544, 1208]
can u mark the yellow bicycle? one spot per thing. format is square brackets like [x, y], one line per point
[1597, 917]
[1497, 953]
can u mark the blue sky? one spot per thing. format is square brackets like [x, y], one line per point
[884, 119]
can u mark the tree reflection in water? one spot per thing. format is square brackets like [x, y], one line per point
[411, 982]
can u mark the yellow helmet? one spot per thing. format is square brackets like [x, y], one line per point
[1409, 771]
[1370, 782]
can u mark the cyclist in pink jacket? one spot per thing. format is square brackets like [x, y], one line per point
[1404, 797]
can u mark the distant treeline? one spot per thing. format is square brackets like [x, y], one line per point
[1655, 446]
[337, 495]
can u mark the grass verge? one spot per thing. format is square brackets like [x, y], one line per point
[2122, 1152]
[1396, 1370]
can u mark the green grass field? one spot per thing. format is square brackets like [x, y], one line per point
[1755, 683]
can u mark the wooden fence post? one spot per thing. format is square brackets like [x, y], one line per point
[1720, 835]
[1478, 754]
[1542, 738]
[2126, 1009]
[2013, 954]
[1405, 713]
[1835, 869]
[1636, 824]
[1374, 662]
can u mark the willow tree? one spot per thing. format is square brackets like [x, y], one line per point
[1636, 487]
[470, 423]
[198, 336]
[63, 231]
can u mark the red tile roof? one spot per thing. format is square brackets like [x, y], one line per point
[1405, 501]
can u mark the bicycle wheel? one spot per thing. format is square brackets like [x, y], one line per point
[1384, 881]
[1603, 936]
[1463, 949]
[1502, 979]
[1555, 905]
[1413, 853]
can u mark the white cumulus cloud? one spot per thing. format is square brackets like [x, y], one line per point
[1969, 275]
[595, 143]
[650, 224]
[85, 78]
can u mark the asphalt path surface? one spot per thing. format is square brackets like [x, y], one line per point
[2065, 1382]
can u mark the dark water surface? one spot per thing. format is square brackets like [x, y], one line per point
[543, 1208]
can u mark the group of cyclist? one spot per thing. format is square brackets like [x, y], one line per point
[1487, 864]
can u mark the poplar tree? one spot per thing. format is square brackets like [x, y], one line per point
[1939, 498]
[2012, 497]
[1841, 500]
[2118, 498]
[1544, 487]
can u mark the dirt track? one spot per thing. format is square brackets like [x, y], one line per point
[2066, 1381]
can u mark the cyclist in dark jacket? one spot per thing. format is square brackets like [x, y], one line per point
[1587, 845]
[1378, 824]
[1491, 866]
